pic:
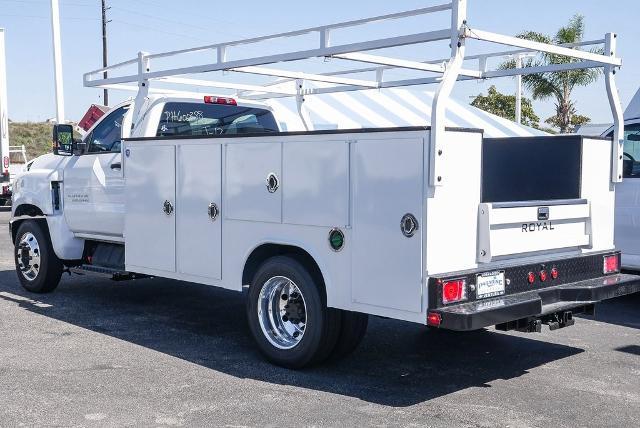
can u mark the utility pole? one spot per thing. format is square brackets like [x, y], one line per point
[105, 99]
[57, 60]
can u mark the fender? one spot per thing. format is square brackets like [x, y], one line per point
[322, 266]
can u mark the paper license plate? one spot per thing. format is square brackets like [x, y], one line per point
[490, 284]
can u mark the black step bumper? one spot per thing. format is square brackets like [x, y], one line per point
[536, 303]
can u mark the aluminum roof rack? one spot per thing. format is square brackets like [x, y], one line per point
[447, 70]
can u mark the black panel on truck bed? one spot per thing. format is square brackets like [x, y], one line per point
[531, 168]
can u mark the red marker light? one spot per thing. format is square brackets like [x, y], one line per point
[554, 273]
[543, 275]
[531, 277]
[434, 319]
[209, 99]
[611, 264]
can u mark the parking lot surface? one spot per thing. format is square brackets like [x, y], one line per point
[157, 352]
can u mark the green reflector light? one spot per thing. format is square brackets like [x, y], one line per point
[336, 239]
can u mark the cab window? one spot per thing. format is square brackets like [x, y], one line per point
[631, 158]
[179, 119]
[106, 136]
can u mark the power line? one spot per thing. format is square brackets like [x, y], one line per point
[131, 24]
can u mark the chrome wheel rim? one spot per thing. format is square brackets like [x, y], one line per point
[282, 312]
[28, 256]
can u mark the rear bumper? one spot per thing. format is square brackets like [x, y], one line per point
[536, 303]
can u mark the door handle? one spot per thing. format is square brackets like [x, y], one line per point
[116, 165]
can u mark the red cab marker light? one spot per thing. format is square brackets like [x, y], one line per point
[434, 319]
[543, 275]
[611, 264]
[454, 291]
[554, 273]
[531, 277]
[209, 99]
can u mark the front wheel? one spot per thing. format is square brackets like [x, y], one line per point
[288, 315]
[38, 268]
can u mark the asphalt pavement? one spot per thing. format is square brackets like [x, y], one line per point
[158, 352]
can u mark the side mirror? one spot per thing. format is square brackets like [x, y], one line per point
[62, 140]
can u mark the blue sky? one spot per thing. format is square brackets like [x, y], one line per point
[162, 25]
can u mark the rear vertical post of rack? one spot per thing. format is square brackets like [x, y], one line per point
[616, 110]
[144, 66]
[437, 152]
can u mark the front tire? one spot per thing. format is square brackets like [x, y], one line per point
[288, 315]
[38, 268]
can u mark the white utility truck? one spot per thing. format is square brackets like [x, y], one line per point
[431, 224]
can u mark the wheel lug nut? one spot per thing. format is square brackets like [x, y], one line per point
[284, 297]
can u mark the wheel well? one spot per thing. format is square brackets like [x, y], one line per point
[266, 251]
[26, 210]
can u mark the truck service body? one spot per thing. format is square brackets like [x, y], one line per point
[436, 225]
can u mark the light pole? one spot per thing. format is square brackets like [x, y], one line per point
[57, 60]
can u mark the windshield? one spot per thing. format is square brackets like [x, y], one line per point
[212, 119]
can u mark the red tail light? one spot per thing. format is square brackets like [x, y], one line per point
[531, 277]
[434, 319]
[543, 275]
[611, 264]
[209, 99]
[5, 162]
[554, 273]
[454, 291]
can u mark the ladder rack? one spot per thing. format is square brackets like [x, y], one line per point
[444, 72]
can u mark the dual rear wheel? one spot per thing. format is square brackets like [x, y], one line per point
[289, 318]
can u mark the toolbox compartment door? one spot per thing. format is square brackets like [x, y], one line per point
[150, 232]
[387, 184]
[199, 200]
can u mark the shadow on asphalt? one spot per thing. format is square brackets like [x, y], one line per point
[398, 364]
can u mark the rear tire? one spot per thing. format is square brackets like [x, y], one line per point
[288, 315]
[38, 268]
[352, 331]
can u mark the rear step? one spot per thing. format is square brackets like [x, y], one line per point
[105, 259]
[554, 320]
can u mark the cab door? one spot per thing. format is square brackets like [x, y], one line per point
[94, 183]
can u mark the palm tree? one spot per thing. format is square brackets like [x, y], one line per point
[559, 84]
